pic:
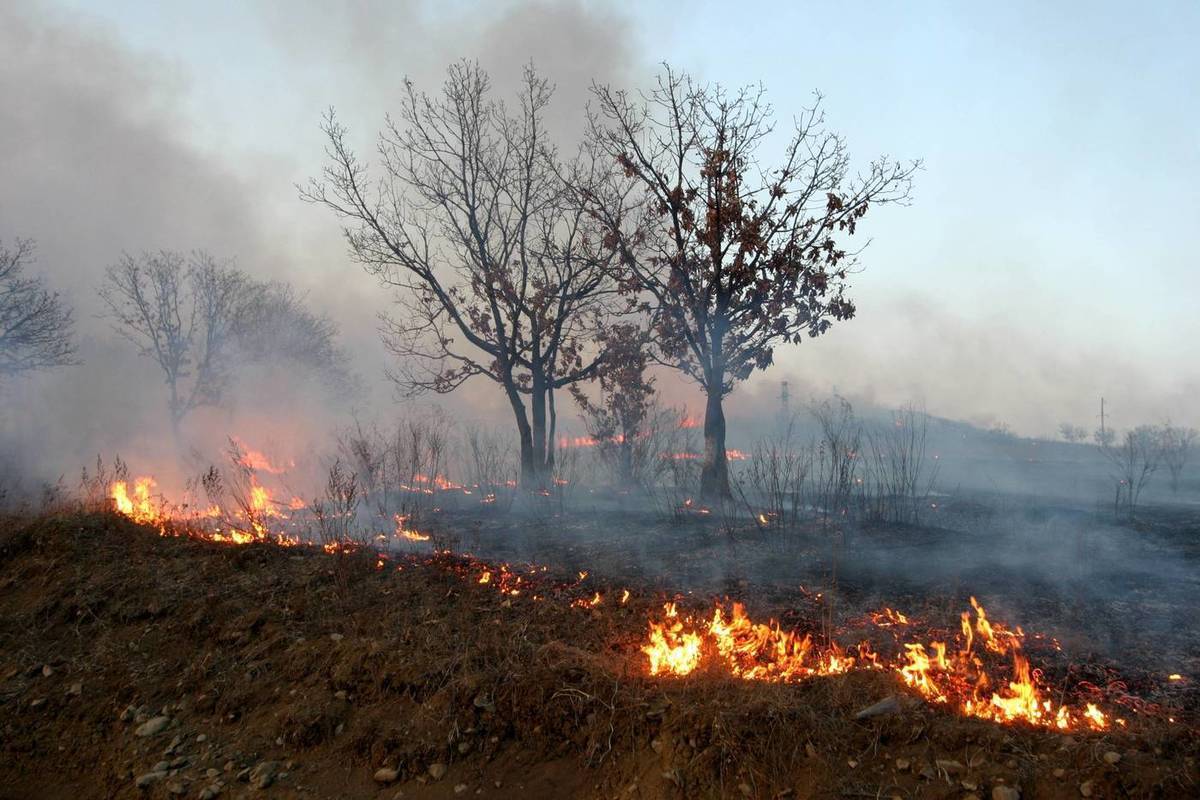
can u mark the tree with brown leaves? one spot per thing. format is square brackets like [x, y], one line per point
[732, 259]
[498, 272]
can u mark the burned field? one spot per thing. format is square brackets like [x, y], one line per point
[420, 672]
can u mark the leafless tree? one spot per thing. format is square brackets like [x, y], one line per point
[1134, 458]
[37, 328]
[736, 258]
[273, 323]
[199, 317]
[181, 312]
[1176, 443]
[1072, 433]
[898, 475]
[497, 272]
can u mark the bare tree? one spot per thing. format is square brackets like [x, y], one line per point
[1176, 444]
[199, 317]
[736, 258]
[37, 328]
[1135, 457]
[181, 313]
[273, 323]
[1072, 433]
[497, 272]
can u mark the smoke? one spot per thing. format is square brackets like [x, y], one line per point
[106, 148]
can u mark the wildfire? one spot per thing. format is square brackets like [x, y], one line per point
[143, 506]
[405, 532]
[982, 671]
[255, 460]
[755, 651]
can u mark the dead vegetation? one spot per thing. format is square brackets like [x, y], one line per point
[269, 672]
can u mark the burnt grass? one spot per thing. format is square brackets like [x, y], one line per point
[1116, 600]
[328, 669]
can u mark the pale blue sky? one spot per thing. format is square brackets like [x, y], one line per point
[1050, 253]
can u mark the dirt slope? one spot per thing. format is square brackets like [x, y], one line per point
[133, 665]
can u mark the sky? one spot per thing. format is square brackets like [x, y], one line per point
[1048, 257]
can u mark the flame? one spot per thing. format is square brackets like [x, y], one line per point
[766, 652]
[671, 649]
[404, 532]
[142, 507]
[255, 460]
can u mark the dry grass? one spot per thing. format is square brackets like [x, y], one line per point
[259, 649]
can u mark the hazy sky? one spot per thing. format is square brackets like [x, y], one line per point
[1049, 256]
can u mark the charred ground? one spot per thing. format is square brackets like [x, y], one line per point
[327, 669]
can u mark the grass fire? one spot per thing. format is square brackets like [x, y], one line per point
[592, 400]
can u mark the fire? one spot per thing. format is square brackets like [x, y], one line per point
[981, 671]
[404, 532]
[255, 460]
[757, 651]
[142, 507]
[671, 649]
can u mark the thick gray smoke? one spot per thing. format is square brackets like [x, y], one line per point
[99, 157]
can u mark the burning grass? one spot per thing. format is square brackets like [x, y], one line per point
[498, 672]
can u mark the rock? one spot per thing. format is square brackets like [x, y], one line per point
[656, 745]
[209, 792]
[888, 705]
[851, 763]
[212, 773]
[949, 766]
[152, 726]
[37, 702]
[161, 766]
[460, 788]
[178, 740]
[745, 789]
[969, 784]
[340, 694]
[464, 747]
[1003, 792]
[47, 670]
[1085, 789]
[201, 739]
[149, 779]
[176, 788]
[386, 774]
[903, 764]
[437, 771]
[1059, 772]
[1112, 757]
[337, 637]
[75, 689]
[244, 775]
[264, 774]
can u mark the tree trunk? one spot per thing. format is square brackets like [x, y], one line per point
[714, 474]
[625, 462]
[529, 471]
[538, 407]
